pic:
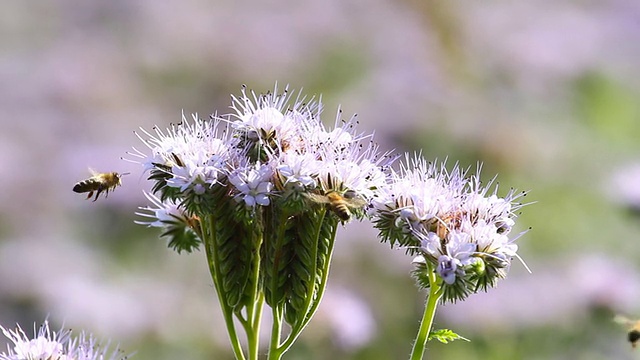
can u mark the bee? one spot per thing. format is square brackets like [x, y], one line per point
[443, 225]
[633, 334]
[98, 183]
[340, 204]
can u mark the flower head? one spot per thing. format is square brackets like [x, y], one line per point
[449, 219]
[268, 146]
[268, 180]
[52, 345]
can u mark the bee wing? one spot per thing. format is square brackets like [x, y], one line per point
[320, 199]
[93, 172]
[356, 202]
[622, 320]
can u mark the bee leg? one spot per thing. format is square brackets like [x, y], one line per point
[98, 194]
[89, 196]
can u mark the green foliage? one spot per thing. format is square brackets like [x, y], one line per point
[396, 234]
[445, 336]
[159, 175]
[463, 286]
[492, 270]
[421, 276]
[181, 237]
[326, 238]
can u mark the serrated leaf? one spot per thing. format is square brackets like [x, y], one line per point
[181, 239]
[445, 336]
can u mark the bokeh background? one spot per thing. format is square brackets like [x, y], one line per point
[545, 93]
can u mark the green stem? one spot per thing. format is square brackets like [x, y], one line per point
[435, 293]
[276, 331]
[277, 307]
[233, 336]
[253, 338]
[208, 231]
[254, 310]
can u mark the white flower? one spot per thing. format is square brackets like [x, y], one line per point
[360, 176]
[51, 345]
[300, 148]
[422, 190]
[46, 345]
[349, 161]
[458, 246]
[449, 219]
[299, 168]
[253, 185]
[196, 152]
[268, 119]
[163, 213]
[271, 120]
[271, 147]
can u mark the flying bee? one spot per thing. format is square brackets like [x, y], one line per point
[633, 334]
[98, 183]
[340, 204]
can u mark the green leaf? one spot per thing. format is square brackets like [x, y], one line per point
[445, 336]
[181, 237]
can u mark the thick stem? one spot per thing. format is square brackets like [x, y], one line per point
[276, 332]
[253, 339]
[435, 293]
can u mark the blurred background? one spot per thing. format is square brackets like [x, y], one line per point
[545, 93]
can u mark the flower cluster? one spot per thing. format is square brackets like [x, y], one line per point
[451, 222]
[51, 345]
[263, 189]
[268, 150]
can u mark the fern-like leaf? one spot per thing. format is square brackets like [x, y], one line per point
[445, 336]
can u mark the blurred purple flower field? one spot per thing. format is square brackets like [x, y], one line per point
[544, 93]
